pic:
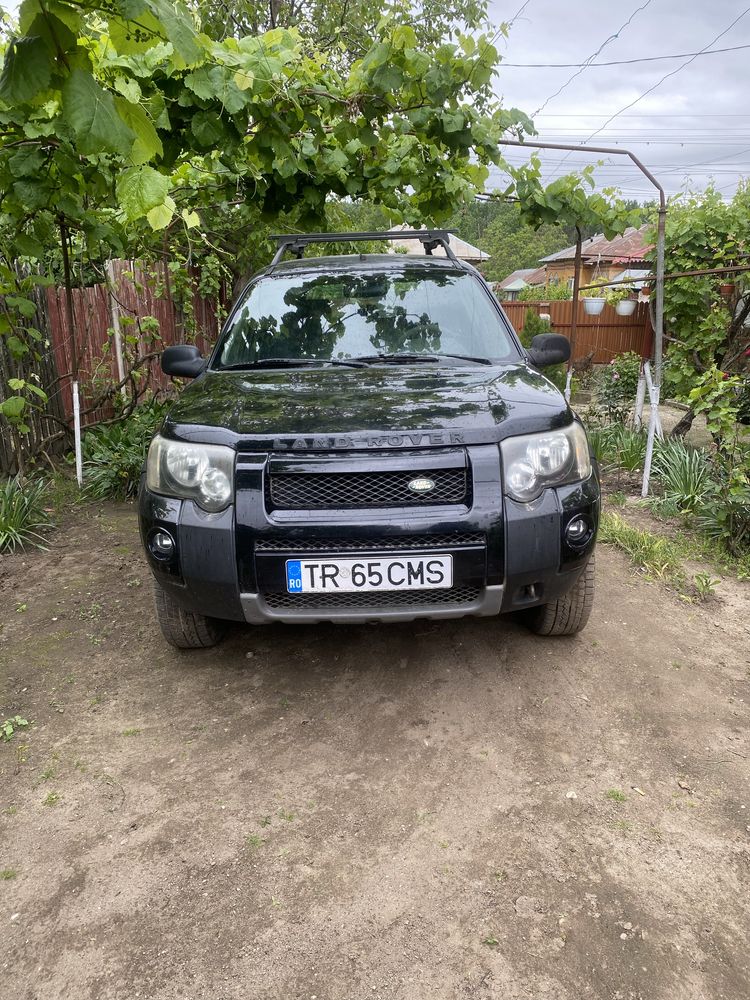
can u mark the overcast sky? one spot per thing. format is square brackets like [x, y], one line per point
[693, 127]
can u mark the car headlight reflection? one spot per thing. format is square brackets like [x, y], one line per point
[533, 462]
[200, 472]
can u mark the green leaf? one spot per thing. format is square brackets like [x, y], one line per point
[24, 306]
[27, 70]
[162, 215]
[16, 384]
[191, 219]
[453, 121]
[27, 246]
[90, 111]
[177, 28]
[147, 144]
[26, 162]
[13, 408]
[141, 189]
[16, 347]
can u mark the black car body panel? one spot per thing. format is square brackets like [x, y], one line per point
[374, 424]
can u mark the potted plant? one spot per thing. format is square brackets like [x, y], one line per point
[620, 299]
[593, 301]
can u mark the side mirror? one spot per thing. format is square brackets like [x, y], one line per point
[182, 361]
[549, 349]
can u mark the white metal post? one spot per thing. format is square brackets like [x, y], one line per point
[77, 433]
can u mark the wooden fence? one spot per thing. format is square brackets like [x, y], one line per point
[607, 334]
[135, 295]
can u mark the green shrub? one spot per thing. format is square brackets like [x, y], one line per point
[615, 385]
[544, 293]
[617, 445]
[684, 473]
[113, 454]
[725, 515]
[22, 513]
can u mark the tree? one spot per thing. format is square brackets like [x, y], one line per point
[347, 26]
[512, 243]
[707, 318]
[121, 120]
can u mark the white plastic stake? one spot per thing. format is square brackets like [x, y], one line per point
[568, 380]
[653, 393]
[114, 307]
[640, 396]
[77, 433]
[654, 427]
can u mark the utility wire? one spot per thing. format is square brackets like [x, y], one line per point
[621, 62]
[671, 73]
[659, 82]
[590, 59]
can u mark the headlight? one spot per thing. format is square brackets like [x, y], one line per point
[535, 461]
[200, 472]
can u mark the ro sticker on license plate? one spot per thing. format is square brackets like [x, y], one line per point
[319, 576]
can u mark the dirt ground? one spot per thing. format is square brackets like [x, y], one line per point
[434, 810]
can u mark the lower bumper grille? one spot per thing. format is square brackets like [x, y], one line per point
[372, 601]
[399, 543]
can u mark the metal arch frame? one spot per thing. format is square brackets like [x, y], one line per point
[431, 239]
[659, 312]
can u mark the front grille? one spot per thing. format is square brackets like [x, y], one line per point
[449, 540]
[337, 490]
[372, 601]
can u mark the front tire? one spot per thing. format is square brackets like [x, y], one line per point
[569, 613]
[185, 629]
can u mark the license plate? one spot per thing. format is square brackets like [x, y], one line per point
[318, 576]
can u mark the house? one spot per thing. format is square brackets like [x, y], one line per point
[461, 248]
[516, 281]
[601, 259]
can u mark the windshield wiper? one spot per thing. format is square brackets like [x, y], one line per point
[408, 357]
[290, 363]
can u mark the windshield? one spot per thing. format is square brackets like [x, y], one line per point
[361, 314]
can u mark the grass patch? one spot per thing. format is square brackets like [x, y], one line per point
[23, 513]
[131, 732]
[253, 841]
[6, 874]
[655, 556]
[51, 799]
[615, 795]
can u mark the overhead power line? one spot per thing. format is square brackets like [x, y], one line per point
[593, 56]
[654, 86]
[667, 75]
[621, 62]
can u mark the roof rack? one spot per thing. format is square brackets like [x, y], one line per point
[429, 238]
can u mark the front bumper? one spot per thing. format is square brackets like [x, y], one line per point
[507, 556]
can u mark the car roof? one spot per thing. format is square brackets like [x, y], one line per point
[366, 262]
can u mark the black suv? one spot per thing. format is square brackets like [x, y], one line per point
[368, 441]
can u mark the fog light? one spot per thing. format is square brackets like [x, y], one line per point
[161, 545]
[578, 531]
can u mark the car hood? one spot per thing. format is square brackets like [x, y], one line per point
[471, 404]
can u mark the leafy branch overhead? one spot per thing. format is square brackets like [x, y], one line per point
[119, 106]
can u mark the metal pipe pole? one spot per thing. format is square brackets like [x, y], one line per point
[659, 318]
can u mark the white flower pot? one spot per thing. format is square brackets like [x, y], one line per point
[593, 306]
[625, 307]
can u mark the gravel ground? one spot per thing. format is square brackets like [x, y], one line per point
[434, 810]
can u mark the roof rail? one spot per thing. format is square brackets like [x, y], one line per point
[429, 238]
